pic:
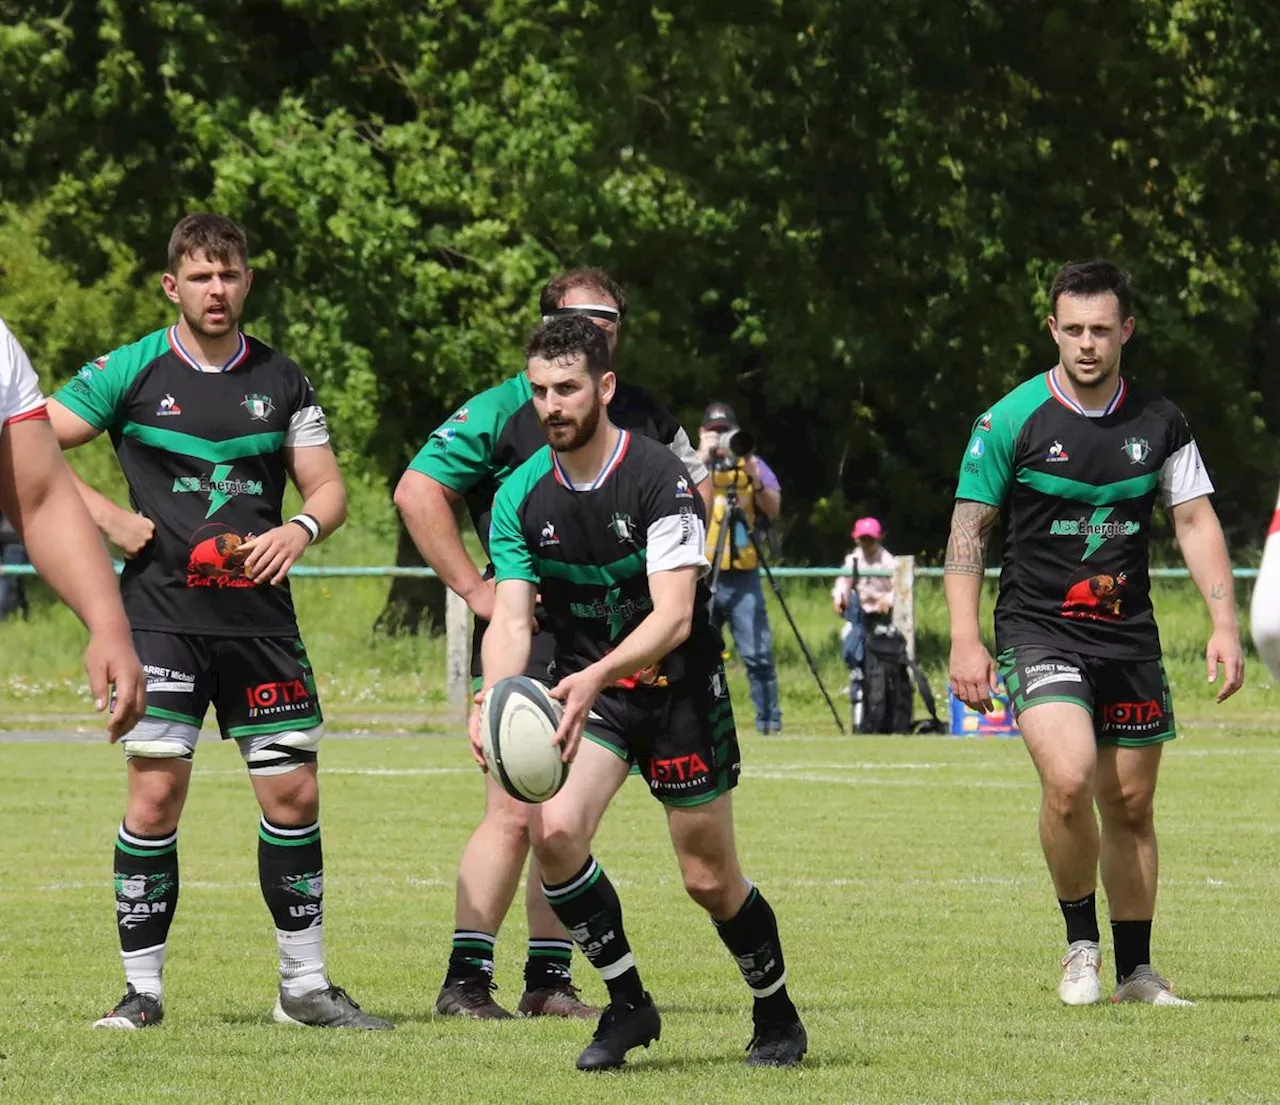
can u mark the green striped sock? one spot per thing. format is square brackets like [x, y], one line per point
[471, 956]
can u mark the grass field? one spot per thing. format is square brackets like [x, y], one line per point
[920, 925]
[921, 933]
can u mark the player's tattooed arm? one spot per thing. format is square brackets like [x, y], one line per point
[971, 526]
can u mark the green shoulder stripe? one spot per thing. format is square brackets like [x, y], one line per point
[460, 452]
[987, 469]
[512, 558]
[97, 391]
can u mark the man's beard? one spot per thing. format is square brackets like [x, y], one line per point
[230, 323]
[569, 436]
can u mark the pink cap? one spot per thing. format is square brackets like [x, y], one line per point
[867, 527]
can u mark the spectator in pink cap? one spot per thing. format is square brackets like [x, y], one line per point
[875, 593]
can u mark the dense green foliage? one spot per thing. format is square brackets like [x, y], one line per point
[840, 216]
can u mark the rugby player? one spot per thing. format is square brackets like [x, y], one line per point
[38, 495]
[465, 461]
[1075, 459]
[604, 525]
[208, 425]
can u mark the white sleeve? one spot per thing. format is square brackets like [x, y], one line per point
[19, 386]
[683, 448]
[677, 541]
[844, 584]
[307, 427]
[1183, 477]
[1264, 608]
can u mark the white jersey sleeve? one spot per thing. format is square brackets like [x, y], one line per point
[1264, 609]
[683, 448]
[20, 395]
[677, 541]
[1183, 476]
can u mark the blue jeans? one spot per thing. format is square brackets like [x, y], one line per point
[12, 592]
[739, 600]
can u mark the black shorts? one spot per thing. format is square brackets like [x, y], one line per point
[1129, 699]
[681, 737]
[257, 685]
[542, 653]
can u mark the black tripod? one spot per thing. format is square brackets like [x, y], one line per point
[733, 515]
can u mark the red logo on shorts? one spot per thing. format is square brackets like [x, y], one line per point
[681, 769]
[265, 696]
[1132, 713]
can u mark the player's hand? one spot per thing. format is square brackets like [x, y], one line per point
[129, 532]
[1224, 649]
[974, 678]
[480, 599]
[270, 555]
[577, 693]
[110, 661]
[473, 731]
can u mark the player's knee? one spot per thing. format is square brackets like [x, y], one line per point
[1131, 809]
[280, 753]
[507, 817]
[557, 840]
[1069, 794]
[712, 888]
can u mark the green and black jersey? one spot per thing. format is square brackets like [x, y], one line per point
[202, 452]
[497, 431]
[590, 550]
[1076, 489]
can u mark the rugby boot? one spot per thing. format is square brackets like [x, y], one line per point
[470, 997]
[134, 1010]
[622, 1026]
[778, 1045]
[331, 1007]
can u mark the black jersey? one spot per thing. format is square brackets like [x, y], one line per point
[202, 452]
[591, 551]
[1077, 490]
[483, 442]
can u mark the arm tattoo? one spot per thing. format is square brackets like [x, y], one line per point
[1218, 591]
[971, 525]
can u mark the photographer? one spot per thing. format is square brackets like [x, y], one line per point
[742, 483]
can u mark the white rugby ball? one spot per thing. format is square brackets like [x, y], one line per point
[517, 721]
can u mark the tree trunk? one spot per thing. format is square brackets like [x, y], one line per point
[413, 605]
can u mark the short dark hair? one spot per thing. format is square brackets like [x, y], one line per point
[559, 286]
[567, 336]
[1092, 278]
[216, 236]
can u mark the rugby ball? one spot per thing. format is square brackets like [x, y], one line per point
[518, 720]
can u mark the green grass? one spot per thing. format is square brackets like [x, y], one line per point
[920, 927]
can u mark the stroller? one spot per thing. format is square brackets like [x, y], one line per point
[881, 676]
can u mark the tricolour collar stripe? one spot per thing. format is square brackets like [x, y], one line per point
[242, 351]
[615, 458]
[1066, 400]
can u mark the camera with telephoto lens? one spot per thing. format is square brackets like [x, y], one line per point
[735, 444]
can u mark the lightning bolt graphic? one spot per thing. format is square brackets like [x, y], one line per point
[616, 621]
[1093, 542]
[219, 499]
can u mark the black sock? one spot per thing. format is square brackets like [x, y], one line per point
[1132, 941]
[588, 907]
[548, 964]
[146, 882]
[1081, 918]
[751, 935]
[471, 955]
[291, 874]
